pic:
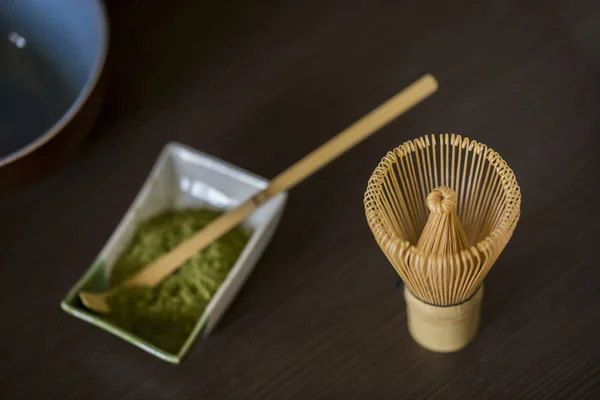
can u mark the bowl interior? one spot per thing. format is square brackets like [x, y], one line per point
[51, 51]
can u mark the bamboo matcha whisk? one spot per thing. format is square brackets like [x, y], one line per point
[442, 211]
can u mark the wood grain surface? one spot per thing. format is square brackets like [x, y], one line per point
[262, 83]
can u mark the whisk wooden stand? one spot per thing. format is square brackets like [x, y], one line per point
[443, 329]
[442, 211]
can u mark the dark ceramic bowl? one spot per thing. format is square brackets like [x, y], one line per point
[52, 54]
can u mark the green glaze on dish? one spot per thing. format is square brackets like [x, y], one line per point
[166, 315]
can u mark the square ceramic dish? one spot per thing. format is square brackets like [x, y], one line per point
[183, 177]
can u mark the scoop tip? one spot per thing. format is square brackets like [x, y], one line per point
[95, 301]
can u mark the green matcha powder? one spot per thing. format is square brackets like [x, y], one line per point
[166, 315]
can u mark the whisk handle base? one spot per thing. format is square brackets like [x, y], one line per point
[443, 329]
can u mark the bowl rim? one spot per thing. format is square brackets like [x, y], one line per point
[79, 102]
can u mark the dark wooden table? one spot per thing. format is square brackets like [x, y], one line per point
[262, 83]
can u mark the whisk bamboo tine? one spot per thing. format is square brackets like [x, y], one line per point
[457, 146]
[477, 208]
[477, 191]
[419, 192]
[422, 181]
[401, 170]
[447, 143]
[487, 207]
[453, 164]
[461, 199]
[435, 168]
[432, 184]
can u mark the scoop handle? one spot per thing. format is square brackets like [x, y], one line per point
[355, 133]
[158, 270]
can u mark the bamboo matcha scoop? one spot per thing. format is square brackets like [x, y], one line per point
[158, 270]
